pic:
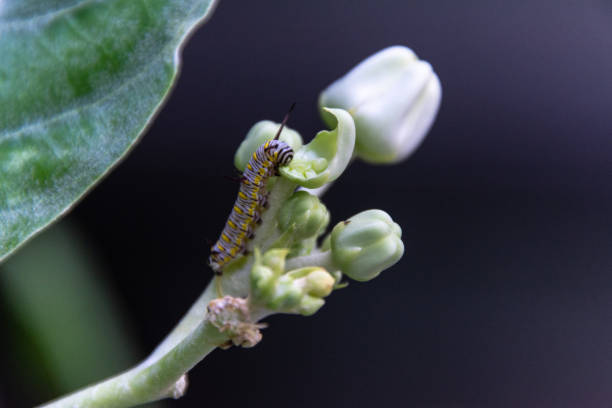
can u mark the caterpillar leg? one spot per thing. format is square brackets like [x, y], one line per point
[263, 201]
[218, 285]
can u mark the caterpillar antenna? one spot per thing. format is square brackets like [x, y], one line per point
[285, 119]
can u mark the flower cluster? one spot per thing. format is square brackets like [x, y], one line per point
[380, 112]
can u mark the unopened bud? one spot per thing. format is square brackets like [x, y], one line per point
[393, 98]
[297, 291]
[304, 215]
[301, 290]
[259, 134]
[366, 244]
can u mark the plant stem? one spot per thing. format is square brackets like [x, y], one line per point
[316, 258]
[159, 376]
[188, 323]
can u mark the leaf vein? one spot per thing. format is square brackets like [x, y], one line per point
[36, 21]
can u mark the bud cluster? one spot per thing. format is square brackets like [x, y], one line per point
[299, 291]
[380, 111]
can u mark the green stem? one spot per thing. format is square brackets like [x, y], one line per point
[316, 258]
[155, 378]
[160, 375]
[188, 323]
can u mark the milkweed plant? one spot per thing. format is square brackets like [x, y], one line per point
[380, 112]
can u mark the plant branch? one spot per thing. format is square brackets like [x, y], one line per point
[159, 376]
[316, 258]
[187, 324]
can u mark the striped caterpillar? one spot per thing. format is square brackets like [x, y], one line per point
[251, 201]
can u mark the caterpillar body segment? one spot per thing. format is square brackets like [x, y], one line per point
[251, 201]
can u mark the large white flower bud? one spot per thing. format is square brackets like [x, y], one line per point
[393, 98]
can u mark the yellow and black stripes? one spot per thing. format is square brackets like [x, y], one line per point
[250, 202]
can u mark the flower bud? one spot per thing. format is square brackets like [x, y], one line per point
[326, 156]
[393, 98]
[259, 134]
[301, 290]
[366, 244]
[297, 291]
[304, 215]
[266, 270]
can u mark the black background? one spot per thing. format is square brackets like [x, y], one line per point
[504, 295]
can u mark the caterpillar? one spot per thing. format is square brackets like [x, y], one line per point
[252, 199]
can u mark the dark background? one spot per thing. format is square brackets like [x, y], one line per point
[504, 295]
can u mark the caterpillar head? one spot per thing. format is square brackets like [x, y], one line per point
[285, 156]
[285, 152]
[281, 150]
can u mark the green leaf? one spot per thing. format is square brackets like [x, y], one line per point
[79, 83]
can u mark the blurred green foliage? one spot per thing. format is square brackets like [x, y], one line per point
[67, 328]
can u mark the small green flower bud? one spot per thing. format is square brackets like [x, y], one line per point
[265, 272]
[318, 282]
[393, 97]
[301, 290]
[297, 291]
[310, 305]
[275, 260]
[304, 215]
[366, 244]
[259, 134]
[326, 156]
